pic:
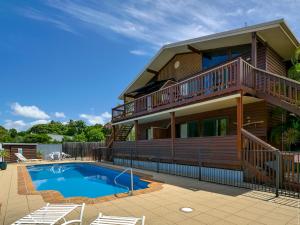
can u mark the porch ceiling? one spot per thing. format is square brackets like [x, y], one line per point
[215, 104]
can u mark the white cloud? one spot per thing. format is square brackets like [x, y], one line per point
[59, 115]
[39, 16]
[96, 119]
[138, 52]
[18, 124]
[159, 22]
[39, 122]
[21, 125]
[29, 111]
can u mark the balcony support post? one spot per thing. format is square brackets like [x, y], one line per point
[136, 130]
[239, 120]
[113, 132]
[254, 49]
[173, 132]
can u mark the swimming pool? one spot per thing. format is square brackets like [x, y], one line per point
[81, 180]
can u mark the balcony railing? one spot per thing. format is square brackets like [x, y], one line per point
[220, 80]
[224, 79]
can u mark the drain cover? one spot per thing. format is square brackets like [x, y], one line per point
[186, 209]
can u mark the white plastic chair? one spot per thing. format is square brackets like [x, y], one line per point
[23, 159]
[51, 214]
[115, 220]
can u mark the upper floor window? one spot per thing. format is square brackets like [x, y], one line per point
[212, 59]
[215, 57]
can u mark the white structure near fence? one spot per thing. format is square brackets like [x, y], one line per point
[46, 149]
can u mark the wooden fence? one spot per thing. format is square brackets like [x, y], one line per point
[86, 150]
[210, 151]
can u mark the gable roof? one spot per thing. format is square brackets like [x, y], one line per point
[275, 33]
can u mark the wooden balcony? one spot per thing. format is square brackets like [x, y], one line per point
[222, 80]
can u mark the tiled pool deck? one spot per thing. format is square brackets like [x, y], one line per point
[212, 203]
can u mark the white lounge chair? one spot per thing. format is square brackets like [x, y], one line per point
[58, 156]
[51, 214]
[115, 220]
[23, 159]
[65, 155]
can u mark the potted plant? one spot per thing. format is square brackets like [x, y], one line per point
[3, 164]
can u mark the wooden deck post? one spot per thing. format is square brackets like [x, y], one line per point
[239, 122]
[173, 132]
[113, 132]
[136, 130]
[254, 49]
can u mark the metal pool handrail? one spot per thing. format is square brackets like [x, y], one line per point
[131, 180]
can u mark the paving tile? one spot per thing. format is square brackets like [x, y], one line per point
[237, 220]
[206, 218]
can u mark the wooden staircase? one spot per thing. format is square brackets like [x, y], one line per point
[258, 160]
[121, 133]
[275, 89]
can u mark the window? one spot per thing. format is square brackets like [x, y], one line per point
[149, 134]
[184, 89]
[185, 130]
[212, 59]
[149, 102]
[215, 127]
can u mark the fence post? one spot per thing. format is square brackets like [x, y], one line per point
[277, 153]
[199, 166]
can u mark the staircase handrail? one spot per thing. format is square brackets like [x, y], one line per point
[256, 139]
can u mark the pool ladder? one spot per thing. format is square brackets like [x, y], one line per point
[130, 191]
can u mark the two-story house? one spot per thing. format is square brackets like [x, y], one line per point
[196, 99]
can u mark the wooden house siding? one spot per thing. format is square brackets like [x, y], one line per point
[261, 56]
[190, 63]
[274, 63]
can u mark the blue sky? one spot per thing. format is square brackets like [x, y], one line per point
[64, 60]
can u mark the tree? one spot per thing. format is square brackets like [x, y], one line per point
[95, 133]
[37, 138]
[4, 135]
[75, 127]
[294, 71]
[79, 138]
[13, 133]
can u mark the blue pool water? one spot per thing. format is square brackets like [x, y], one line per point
[81, 179]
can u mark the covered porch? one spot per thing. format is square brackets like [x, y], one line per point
[172, 136]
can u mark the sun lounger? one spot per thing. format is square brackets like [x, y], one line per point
[51, 214]
[115, 220]
[23, 159]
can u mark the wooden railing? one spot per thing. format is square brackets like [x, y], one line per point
[224, 79]
[290, 169]
[220, 80]
[259, 160]
[276, 89]
[265, 165]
